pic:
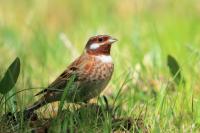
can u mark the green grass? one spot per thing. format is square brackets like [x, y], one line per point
[40, 33]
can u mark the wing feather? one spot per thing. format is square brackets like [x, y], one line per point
[75, 68]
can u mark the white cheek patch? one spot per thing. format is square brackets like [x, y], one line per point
[94, 46]
[104, 58]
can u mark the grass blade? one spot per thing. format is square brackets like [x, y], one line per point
[66, 90]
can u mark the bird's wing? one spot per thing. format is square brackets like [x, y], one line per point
[78, 68]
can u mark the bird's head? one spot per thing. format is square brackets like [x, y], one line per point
[99, 45]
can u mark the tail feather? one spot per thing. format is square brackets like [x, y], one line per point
[37, 105]
[28, 112]
[41, 92]
[47, 98]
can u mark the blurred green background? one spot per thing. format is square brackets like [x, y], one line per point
[48, 35]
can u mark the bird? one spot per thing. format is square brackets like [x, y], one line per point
[90, 72]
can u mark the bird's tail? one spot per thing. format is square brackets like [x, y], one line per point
[41, 92]
[37, 104]
[47, 98]
[29, 111]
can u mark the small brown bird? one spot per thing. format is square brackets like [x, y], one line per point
[92, 71]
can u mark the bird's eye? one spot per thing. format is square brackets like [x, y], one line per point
[100, 39]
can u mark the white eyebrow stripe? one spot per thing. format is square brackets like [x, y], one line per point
[104, 58]
[94, 46]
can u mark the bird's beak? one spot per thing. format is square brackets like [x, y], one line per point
[112, 40]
